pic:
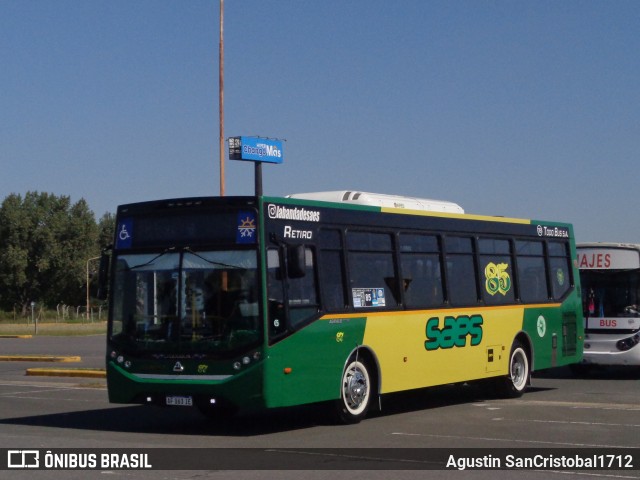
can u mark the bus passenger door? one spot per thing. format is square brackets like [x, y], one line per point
[291, 289]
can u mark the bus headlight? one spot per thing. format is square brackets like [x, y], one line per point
[246, 360]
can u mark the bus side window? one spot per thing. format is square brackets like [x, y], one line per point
[560, 265]
[421, 272]
[532, 273]
[275, 294]
[372, 270]
[303, 302]
[290, 309]
[461, 272]
[330, 270]
[496, 271]
[331, 281]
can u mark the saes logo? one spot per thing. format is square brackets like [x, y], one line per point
[454, 333]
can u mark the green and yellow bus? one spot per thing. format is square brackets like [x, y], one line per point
[260, 302]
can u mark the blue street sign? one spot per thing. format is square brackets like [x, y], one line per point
[255, 149]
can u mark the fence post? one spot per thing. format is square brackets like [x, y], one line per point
[33, 318]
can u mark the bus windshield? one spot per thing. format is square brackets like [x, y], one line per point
[613, 293]
[186, 301]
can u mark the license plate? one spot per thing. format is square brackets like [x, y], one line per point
[179, 401]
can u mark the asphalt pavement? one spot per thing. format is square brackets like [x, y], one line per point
[64, 356]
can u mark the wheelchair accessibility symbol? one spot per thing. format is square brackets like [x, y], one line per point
[124, 235]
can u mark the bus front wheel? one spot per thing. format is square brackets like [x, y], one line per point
[355, 391]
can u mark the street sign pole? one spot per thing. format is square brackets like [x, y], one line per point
[258, 179]
[258, 150]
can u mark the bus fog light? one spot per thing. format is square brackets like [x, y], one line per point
[256, 356]
[246, 360]
[127, 364]
[237, 366]
[113, 354]
[120, 359]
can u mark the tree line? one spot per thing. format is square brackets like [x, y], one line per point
[46, 243]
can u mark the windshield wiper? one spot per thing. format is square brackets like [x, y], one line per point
[211, 262]
[171, 249]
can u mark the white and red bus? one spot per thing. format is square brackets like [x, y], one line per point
[610, 278]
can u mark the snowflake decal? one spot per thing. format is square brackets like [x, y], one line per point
[247, 227]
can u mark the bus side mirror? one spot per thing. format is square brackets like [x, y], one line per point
[103, 276]
[296, 261]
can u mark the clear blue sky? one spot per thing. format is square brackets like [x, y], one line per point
[525, 109]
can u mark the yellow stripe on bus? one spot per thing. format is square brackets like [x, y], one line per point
[479, 309]
[465, 216]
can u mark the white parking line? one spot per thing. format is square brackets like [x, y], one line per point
[602, 424]
[586, 474]
[576, 405]
[510, 440]
[38, 388]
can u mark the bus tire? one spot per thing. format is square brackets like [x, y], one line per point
[517, 379]
[355, 391]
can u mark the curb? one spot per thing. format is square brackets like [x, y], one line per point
[16, 336]
[67, 372]
[39, 358]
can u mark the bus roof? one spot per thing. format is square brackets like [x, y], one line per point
[381, 200]
[608, 256]
[612, 245]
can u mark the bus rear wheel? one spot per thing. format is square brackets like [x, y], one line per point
[355, 392]
[519, 371]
